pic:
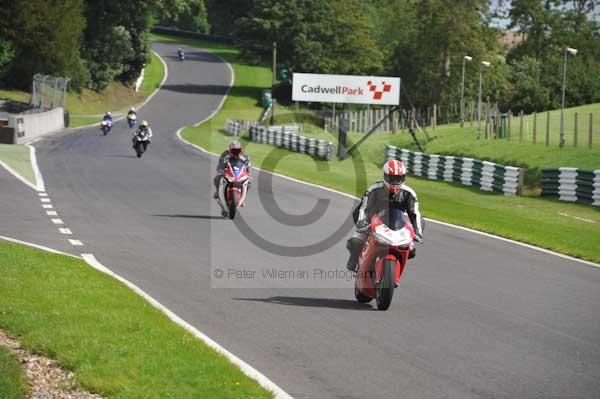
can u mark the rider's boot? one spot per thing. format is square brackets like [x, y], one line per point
[354, 245]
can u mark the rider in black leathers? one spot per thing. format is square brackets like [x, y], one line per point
[234, 151]
[384, 195]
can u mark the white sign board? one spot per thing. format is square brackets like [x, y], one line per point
[346, 89]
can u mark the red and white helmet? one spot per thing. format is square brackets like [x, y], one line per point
[394, 175]
[235, 148]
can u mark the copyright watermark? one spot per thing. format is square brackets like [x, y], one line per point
[257, 276]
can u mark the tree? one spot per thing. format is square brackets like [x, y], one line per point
[126, 22]
[7, 54]
[224, 15]
[429, 60]
[45, 37]
[353, 46]
[108, 54]
[317, 36]
[187, 15]
[550, 26]
[529, 92]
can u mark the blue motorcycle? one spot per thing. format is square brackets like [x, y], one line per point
[106, 126]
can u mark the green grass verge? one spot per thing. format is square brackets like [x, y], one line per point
[87, 107]
[16, 156]
[15, 95]
[117, 344]
[12, 377]
[153, 76]
[532, 220]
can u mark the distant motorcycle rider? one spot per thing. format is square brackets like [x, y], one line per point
[108, 117]
[143, 131]
[392, 192]
[234, 151]
[131, 112]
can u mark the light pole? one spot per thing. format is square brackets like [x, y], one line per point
[481, 66]
[572, 51]
[462, 91]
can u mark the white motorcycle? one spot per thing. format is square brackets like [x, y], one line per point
[141, 140]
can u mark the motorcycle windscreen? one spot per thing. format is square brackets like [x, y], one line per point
[393, 218]
[237, 166]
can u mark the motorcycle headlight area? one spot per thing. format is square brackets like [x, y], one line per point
[396, 238]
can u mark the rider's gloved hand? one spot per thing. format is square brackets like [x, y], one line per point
[362, 224]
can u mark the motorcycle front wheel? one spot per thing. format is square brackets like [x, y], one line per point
[385, 288]
[139, 149]
[233, 204]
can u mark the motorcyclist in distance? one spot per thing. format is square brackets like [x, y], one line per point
[131, 112]
[108, 117]
[392, 192]
[234, 151]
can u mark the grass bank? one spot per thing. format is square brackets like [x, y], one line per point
[532, 220]
[17, 158]
[453, 140]
[88, 106]
[12, 377]
[116, 343]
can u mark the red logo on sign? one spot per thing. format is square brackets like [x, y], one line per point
[378, 93]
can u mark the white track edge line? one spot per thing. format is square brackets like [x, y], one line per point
[489, 235]
[244, 367]
[18, 176]
[40, 186]
[37, 246]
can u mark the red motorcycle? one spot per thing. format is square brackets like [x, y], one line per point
[236, 178]
[384, 257]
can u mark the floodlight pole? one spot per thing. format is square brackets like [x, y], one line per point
[562, 107]
[462, 91]
[481, 66]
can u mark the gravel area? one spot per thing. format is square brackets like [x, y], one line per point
[46, 379]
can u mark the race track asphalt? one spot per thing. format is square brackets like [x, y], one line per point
[474, 317]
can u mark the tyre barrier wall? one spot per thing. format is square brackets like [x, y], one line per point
[572, 184]
[237, 127]
[487, 176]
[286, 136]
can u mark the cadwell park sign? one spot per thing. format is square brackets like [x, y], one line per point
[377, 90]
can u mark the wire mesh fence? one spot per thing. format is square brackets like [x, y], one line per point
[48, 92]
[581, 128]
[581, 125]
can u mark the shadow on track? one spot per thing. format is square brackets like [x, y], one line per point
[209, 217]
[121, 156]
[194, 56]
[219, 90]
[312, 302]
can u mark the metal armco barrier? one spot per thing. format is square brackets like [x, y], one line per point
[487, 176]
[287, 137]
[572, 184]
